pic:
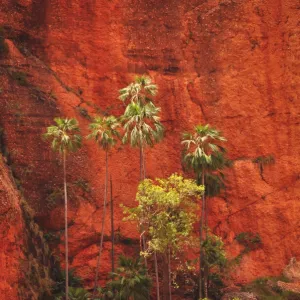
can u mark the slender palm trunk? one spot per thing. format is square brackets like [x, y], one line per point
[169, 270]
[102, 226]
[141, 163]
[156, 276]
[66, 227]
[142, 177]
[112, 228]
[205, 275]
[166, 277]
[201, 260]
[206, 270]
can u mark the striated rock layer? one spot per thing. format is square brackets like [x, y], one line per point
[231, 63]
[12, 228]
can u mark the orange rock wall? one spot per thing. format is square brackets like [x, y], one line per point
[233, 64]
[12, 229]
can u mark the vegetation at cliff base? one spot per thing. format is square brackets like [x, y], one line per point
[173, 251]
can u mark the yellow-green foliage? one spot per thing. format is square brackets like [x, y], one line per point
[215, 255]
[166, 212]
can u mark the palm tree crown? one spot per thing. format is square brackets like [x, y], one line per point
[142, 124]
[65, 135]
[201, 149]
[141, 90]
[131, 280]
[104, 131]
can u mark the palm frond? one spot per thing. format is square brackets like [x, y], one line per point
[65, 135]
[104, 131]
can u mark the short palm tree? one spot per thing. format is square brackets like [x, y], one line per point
[104, 132]
[65, 137]
[141, 90]
[130, 281]
[204, 155]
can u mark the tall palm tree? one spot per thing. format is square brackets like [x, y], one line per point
[142, 126]
[65, 138]
[104, 132]
[141, 90]
[204, 155]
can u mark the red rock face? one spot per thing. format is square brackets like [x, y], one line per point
[233, 64]
[12, 228]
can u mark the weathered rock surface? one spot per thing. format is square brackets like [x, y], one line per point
[290, 286]
[231, 63]
[11, 236]
[292, 270]
[240, 296]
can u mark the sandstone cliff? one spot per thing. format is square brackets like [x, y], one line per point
[231, 63]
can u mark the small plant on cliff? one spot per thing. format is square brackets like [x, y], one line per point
[165, 214]
[263, 161]
[205, 156]
[65, 137]
[249, 240]
[3, 45]
[20, 77]
[104, 132]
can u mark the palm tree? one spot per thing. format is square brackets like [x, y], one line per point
[65, 138]
[104, 132]
[142, 126]
[141, 90]
[130, 282]
[203, 155]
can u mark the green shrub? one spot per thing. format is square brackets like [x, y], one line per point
[60, 279]
[249, 240]
[20, 77]
[54, 198]
[130, 281]
[264, 160]
[84, 113]
[76, 294]
[83, 184]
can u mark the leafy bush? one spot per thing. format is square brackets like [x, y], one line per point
[83, 184]
[60, 279]
[213, 248]
[249, 240]
[130, 281]
[215, 286]
[54, 198]
[76, 294]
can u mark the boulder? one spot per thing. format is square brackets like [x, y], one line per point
[240, 296]
[292, 270]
